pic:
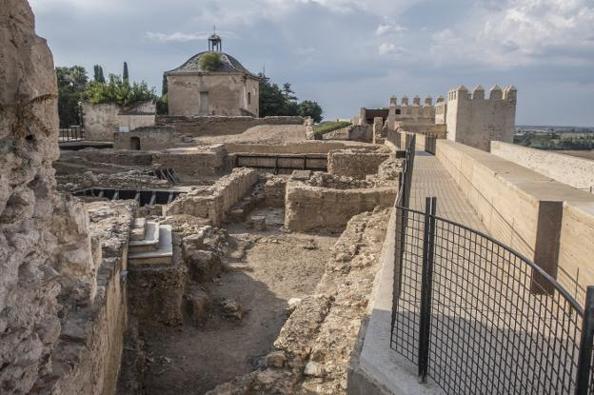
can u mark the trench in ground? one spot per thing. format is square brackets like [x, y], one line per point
[277, 267]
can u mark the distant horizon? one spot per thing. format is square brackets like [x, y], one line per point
[553, 126]
[352, 54]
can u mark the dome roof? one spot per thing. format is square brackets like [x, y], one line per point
[228, 65]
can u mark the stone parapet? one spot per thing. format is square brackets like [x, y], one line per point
[525, 210]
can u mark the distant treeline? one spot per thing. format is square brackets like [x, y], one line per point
[556, 141]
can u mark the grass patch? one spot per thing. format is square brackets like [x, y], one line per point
[330, 126]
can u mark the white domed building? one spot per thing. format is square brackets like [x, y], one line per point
[213, 83]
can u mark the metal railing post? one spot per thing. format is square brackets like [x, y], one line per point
[426, 288]
[584, 367]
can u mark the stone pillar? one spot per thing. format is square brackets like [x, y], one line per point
[378, 126]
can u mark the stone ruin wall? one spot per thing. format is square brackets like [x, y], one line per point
[102, 121]
[356, 163]
[220, 125]
[214, 201]
[331, 204]
[193, 162]
[55, 279]
[151, 138]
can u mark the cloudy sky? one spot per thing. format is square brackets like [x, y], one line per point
[350, 53]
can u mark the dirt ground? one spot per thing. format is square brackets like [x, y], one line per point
[263, 134]
[275, 268]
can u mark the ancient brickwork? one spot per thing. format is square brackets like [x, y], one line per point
[328, 202]
[357, 163]
[214, 201]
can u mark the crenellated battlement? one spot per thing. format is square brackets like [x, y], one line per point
[477, 117]
[461, 93]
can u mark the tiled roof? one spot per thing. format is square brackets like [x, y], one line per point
[228, 65]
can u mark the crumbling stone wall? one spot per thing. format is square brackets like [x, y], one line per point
[274, 191]
[220, 125]
[51, 267]
[356, 163]
[214, 201]
[326, 202]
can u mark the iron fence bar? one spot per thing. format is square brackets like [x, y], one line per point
[426, 288]
[584, 367]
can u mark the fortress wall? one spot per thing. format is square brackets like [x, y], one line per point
[570, 170]
[197, 126]
[357, 163]
[312, 208]
[575, 254]
[519, 207]
[475, 120]
[214, 201]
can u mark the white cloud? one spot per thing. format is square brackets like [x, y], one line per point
[387, 48]
[176, 37]
[389, 28]
[521, 32]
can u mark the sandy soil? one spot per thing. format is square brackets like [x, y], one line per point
[277, 267]
[263, 134]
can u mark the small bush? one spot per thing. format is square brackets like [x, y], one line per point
[210, 61]
[330, 126]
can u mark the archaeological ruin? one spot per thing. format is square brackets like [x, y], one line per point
[213, 251]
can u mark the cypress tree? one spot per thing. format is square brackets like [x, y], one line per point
[98, 74]
[126, 76]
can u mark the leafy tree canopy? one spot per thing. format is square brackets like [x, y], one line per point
[277, 101]
[119, 91]
[72, 83]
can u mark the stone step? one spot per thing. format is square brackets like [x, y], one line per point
[150, 241]
[163, 255]
[138, 232]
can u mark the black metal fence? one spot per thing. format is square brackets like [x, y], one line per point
[74, 133]
[479, 318]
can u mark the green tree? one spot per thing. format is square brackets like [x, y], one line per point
[119, 92]
[72, 84]
[283, 101]
[210, 61]
[98, 73]
[126, 75]
[308, 108]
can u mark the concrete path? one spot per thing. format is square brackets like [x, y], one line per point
[430, 178]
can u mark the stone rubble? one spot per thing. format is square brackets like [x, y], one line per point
[322, 331]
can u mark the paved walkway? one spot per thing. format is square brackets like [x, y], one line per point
[489, 333]
[430, 178]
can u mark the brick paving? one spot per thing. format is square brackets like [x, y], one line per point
[430, 178]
